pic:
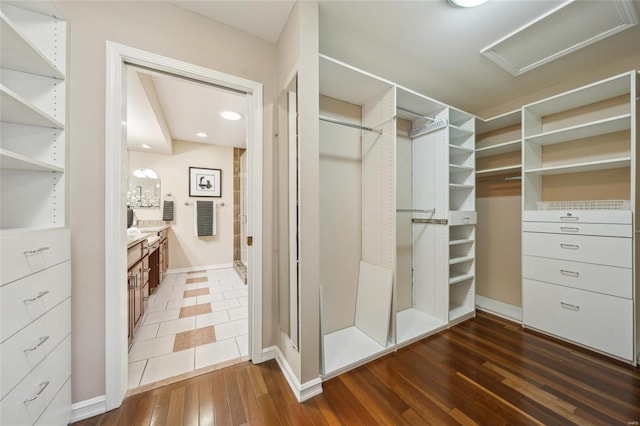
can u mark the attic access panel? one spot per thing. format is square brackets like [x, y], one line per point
[567, 28]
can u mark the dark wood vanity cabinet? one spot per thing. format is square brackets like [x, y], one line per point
[137, 284]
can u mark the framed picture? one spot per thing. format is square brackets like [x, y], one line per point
[205, 182]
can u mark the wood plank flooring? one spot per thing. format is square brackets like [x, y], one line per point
[485, 371]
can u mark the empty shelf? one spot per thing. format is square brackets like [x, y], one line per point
[413, 323]
[458, 242]
[456, 132]
[501, 148]
[459, 168]
[457, 311]
[347, 348]
[594, 128]
[615, 163]
[457, 260]
[458, 277]
[500, 169]
[11, 160]
[16, 109]
[460, 148]
[460, 186]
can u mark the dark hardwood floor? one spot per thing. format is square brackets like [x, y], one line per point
[485, 371]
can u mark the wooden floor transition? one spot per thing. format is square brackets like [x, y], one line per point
[485, 371]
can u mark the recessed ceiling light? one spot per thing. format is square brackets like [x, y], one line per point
[231, 115]
[466, 3]
[201, 134]
[145, 146]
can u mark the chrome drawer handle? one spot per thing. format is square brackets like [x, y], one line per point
[40, 295]
[570, 246]
[570, 306]
[43, 386]
[569, 218]
[569, 273]
[40, 342]
[38, 250]
[569, 229]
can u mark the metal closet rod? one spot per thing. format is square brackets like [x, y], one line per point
[345, 123]
[415, 113]
[416, 210]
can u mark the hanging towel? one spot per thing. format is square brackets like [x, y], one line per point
[167, 211]
[204, 219]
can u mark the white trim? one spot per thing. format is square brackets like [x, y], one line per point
[88, 408]
[501, 309]
[302, 391]
[269, 353]
[198, 268]
[115, 224]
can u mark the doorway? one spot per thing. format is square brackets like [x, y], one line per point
[118, 56]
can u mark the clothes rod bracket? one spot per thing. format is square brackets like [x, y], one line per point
[345, 123]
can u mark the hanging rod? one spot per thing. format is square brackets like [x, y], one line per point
[504, 179]
[415, 113]
[344, 123]
[416, 210]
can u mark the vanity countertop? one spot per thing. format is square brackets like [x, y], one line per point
[132, 240]
[153, 228]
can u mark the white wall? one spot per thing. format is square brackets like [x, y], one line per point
[165, 29]
[186, 250]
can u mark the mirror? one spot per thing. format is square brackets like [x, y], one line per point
[288, 196]
[144, 189]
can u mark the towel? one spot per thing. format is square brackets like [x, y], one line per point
[204, 218]
[167, 211]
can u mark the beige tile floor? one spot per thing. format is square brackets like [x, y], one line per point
[193, 321]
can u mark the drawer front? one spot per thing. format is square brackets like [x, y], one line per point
[28, 400]
[586, 276]
[30, 252]
[578, 216]
[24, 350]
[595, 320]
[59, 411]
[134, 254]
[597, 229]
[163, 234]
[463, 218]
[579, 248]
[25, 300]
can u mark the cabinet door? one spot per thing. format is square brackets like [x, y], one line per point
[131, 288]
[137, 297]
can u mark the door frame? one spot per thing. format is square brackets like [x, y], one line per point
[116, 351]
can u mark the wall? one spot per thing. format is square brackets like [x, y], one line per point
[161, 28]
[186, 250]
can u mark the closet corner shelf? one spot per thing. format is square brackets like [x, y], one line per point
[460, 148]
[615, 163]
[458, 311]
[459, 242]
[458, 277]
[19, 54]
[460, 186]
[501, 148]
[16, 109]
[459, 168]
[13, 161]
[593, 128]
[498, 170]
[457, 260]
[459, 132]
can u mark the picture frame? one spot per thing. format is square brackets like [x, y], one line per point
[205, 182]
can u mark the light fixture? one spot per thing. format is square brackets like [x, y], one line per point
[231, 115]
[145, 173]
[201, 134]
[145, 146]
[466, 3]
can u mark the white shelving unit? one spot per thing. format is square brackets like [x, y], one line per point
[35, 383]
[579, 149]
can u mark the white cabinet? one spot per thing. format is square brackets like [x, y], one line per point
[35, 274]
[579, 192]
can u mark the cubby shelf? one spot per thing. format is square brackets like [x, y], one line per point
[458, 277]
[457, 311]
[501, 148]
[456, 260]
[589, 166]
[593, 128]
[460, 186]
[13, 161]
[460, 242]
[498, 170]
[461, 149]
[16, 109]
[459, 168]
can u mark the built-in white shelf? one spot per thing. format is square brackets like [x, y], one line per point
[589, 166]
[457, 311]
[459, 242]
[460, 148]
[16, 109]
[459, 168]
[501, 148]
[456, 132]
[14, 161]
[460, 186]
[500, 169]
[413, 323]
[464, 259]
[348, 347]
[20, 54]
[458, 277]
[593, 128]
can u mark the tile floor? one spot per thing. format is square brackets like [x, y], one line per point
[194, 320]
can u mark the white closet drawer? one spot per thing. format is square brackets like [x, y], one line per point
[585, 276]
[59, 411]
[25, 300]
[579, 248]
[601, 322]
[28, 400]
[24, 350]
[578, 216]
[598, 229]
[463, 218]
[29, 252]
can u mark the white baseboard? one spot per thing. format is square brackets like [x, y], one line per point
[302, 391]
[268, 354]
[501, 309]
[198, 268]
[89, 408]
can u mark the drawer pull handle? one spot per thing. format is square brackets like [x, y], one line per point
[569, 229]
[569, 273]
[570, 306]
[43, 386]
[569, 218]
[35, 251]
[40, 295]
[147, 270]
[570, 246]
[40, 342]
